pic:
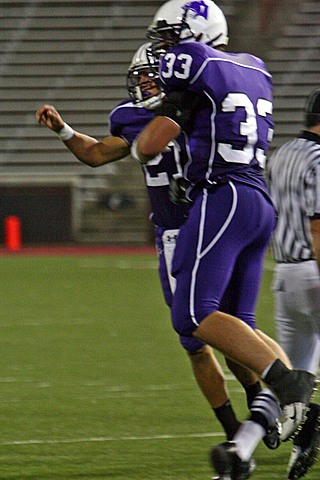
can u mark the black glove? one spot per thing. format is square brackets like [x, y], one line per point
[179, 106]
[177, 191]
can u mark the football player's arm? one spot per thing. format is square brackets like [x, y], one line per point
[173, 115]
[154, 138]
[96, 153]
[87, 149]
[315, 232]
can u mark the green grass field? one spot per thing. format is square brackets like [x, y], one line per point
[93, 381]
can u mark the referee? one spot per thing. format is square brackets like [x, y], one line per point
[293, 173]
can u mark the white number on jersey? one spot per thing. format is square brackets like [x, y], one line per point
[248, 129]
[182, 68]
[162, 178]
[178, 66]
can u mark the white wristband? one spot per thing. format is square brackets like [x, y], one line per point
[66, 133]
[134, 152]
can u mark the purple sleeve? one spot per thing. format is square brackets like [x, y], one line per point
[126, 121]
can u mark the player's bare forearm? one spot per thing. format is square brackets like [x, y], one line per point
[155, 137]
[87, 149]
[96, 153]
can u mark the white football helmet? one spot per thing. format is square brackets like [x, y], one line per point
[143, 81]
[179, 21]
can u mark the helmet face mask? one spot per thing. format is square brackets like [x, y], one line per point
[165, 36]
[143, 82]
[179, 21]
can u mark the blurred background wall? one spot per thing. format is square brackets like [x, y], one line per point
[75, 55]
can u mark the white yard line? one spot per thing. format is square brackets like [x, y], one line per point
[131, 438]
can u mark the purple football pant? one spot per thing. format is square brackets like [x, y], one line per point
[165, 243]
[219, 254]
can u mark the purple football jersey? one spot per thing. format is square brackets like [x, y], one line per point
[126, 121]
[232, 129]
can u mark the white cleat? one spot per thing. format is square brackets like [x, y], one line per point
[294, 415]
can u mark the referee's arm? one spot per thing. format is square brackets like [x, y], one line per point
[315, 232]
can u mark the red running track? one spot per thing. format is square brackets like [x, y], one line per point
[78, 250]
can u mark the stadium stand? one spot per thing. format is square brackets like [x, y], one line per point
[75, 54]
[295, 65]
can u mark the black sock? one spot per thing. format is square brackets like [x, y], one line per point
[252, 391]
[277, 369]
[226, 416]
[290, 386]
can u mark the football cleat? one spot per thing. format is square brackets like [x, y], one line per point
[294, 415]
[294, 389]
[252, 468]
[228, 465]
[306, 445]
[272, 439]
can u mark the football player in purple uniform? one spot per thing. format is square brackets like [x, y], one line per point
[126, 120]
[223, 102]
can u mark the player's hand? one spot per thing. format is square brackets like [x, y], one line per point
[178, 191]
[48, 115]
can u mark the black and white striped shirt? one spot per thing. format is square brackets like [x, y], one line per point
[293, 172]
